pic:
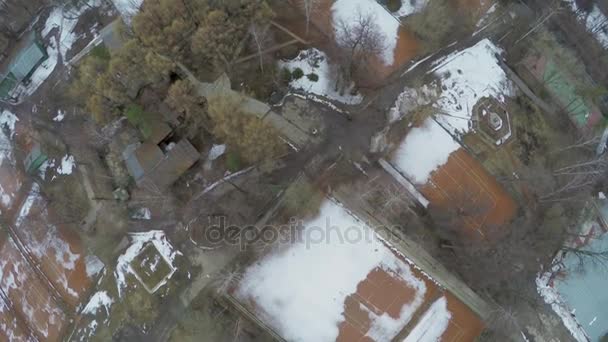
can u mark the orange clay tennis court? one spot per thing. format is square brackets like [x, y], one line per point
[463, 183]
[57, 250]
[384, 293]
[29, 297]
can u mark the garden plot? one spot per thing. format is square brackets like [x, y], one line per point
[317, 76]
[465, 77]
[342, 284]
[151, 268]
[58, 251]
[150, 259]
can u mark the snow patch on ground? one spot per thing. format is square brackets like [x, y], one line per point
[409, 7]
[424, 149]
[409, 100]
[466, 77]
[93, 265]
[97, 301]
[552, 297]
[60, 116]
[138, 242]
[319, 273]
[67, 165]
[128, 8]
[483, 20]
[595, 21]
[142, 214]
[347, 11]
[216, 152]
[313, 61]
[8, 121]
[433, 324]
[65, 21]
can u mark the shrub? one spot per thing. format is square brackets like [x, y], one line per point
[313, 77]
[285, 76]
[297, 73]
[137, 117]
[101, 52]
[393, 5]
[233, 161]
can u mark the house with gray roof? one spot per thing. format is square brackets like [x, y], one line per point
[160, 161]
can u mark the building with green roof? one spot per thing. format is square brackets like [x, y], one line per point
[22, 65]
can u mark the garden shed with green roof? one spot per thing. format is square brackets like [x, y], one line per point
[22, 65]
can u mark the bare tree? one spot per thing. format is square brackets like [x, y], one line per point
[261, 39]
[360, 41]
[577, 179]
[586, 257]
[309, 8]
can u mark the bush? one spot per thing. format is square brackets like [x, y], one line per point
[254, 139]
[313, 77]
[233, 161]
[285, 76]
[393, 5]
[137, 117]
[101, 52]
[297, 73]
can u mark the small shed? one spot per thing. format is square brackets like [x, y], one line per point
[34, 159]
[21, 67]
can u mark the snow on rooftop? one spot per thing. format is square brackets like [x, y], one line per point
[314, 61]
[424, 149]
[138, 242]
[433, 324]
[97, 301]
[41, 73]
[409, 7]
[595, 21]
[301, 290]
[552, 297]
[67, 165]
[466, 77]
[347, 11]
